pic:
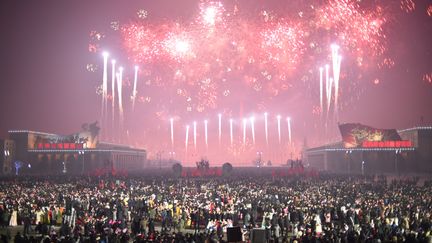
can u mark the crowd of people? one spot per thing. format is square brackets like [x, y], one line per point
[328, 208]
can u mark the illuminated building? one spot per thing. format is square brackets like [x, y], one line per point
[81, 153]
[410, 153]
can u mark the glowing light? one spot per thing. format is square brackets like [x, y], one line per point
[329, 84]
[142, 13]
[113, 78]
[205, 133]
[336, 61]
[187, 138]
[275, 47]
[321, 88]
[172, 132]
[182, 46]
[220, 127]
[134, 92]
[279, 127]
[120, 97]
[195, 134]
[231, 132]
[244, 130]
[104, 83]
[209, 16]
[268, 56]
[252, 121]
[91, 67]
[289, 129]
[266, 128]
[426, 77]
[407, 5]
[115, 25]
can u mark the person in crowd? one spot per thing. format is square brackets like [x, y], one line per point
[328, 208]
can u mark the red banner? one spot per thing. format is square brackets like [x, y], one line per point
[71, 146]
[355, 134]
[387, 144]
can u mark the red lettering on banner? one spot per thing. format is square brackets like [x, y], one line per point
[387, 144]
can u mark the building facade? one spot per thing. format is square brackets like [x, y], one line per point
[412, 153]
[39, 153]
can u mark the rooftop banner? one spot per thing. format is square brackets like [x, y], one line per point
[355, 134]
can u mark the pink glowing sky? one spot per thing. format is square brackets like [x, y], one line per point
[201, 58]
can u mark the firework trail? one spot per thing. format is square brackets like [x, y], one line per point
[172, 132]
[231, 132]
[134, 92]
[279, 127]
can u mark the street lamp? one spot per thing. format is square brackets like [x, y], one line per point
[64, 167]
[348, 154]
[172, 155]
[396, 160]
[82, 167]
[259, 154]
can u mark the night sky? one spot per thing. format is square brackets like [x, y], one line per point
[46, 85]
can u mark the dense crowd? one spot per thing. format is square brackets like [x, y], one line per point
[324, 209]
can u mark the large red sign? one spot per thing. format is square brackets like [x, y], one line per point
[69, 146]
[387, 144]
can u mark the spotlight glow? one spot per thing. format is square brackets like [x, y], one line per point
[172, 132]
[187, 138]
[120, 96]
[104, 84]
[244, 130]
[134, 92]
[252, 121]
[266, 128]
[231, 132]
[289, 130]
[321, 70]
[220, 127]
[279, 127]
[113, 78]
[195, 134]
[205, 133]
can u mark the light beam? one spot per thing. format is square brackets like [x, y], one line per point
[279, 127]
[266, 128]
